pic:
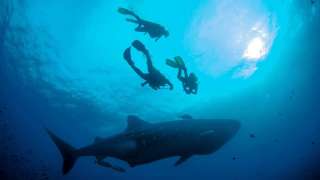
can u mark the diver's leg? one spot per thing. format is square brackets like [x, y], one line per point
[179, 76]
[135, 16]
[125, 11]
[132, 20]
[185, 72]
[139, 72]
[149, 63]
[140, 47]
[127, 57]
[140, 28]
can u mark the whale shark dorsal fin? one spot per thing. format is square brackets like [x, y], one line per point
[135, 122]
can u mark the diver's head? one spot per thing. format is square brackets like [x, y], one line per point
[193, 77]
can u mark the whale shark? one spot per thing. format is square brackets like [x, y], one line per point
[143, 142]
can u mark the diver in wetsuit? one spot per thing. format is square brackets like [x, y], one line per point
[189, 82]
[154, 30]
[153, 78]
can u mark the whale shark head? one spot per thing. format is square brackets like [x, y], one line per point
[213, 134]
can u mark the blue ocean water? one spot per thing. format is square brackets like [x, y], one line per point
[61, 67]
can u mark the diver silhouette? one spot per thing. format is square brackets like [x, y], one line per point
[189, 82]
[153, 78]
[153, 29]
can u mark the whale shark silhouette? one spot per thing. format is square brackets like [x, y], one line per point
[142, 142]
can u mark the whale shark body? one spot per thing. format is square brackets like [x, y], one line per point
[142, 142]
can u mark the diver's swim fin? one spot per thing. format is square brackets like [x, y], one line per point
[125, 11]
[171, 63]
[127, 56]
[176, 63]
[179, 61]
[139, 46]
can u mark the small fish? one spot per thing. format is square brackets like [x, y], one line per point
[313, 2]
[186, 116]
[252, 135]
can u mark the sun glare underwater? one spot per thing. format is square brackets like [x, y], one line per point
[63, 67]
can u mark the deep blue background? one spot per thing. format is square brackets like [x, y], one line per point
[61, 67]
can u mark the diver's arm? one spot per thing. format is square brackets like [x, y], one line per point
[149, 61]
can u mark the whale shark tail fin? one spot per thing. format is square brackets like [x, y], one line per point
[66, 150]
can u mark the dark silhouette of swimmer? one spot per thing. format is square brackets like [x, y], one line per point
[189, 82]
[252, 135]
[153, 78]
[154, 30]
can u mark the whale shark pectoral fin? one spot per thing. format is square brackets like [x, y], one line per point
[118, 169]
[182, 159]
[109, 165]
[100, 158]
